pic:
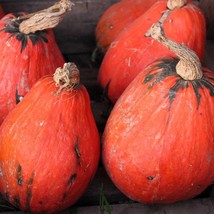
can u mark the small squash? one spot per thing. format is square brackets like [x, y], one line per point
[50, 145]
[158, 141]
[132, 50]
[116, 18]
[28, 52]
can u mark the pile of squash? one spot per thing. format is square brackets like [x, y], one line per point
[158, 142]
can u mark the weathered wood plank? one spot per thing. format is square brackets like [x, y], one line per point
[75, 34]
[196, 206]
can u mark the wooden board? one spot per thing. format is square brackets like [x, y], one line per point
[196, 206]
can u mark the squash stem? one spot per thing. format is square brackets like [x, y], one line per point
[171, 5]
[160, 21]
[67, 77]
[44, 19]
[174, 4]
[189, 66]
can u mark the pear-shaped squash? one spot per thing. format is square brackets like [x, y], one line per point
[50, 145]
[158, 143]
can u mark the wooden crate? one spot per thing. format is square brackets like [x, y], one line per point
[76, 39]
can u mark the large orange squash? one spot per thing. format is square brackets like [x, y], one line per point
[116, 18]
[132, 50]
[28, 52]
[50, 145]
[158, 143]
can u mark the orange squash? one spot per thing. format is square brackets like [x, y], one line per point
[158, 141]
[50, 145]
[28, 52]
[132, 50]
[116, 18]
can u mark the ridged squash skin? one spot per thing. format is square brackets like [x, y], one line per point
[24, 60]
[132, 50]
[50, 149]
[117, 18]
[158, 143]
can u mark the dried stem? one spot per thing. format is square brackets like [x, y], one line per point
[173, 4]
[67, 77]
[160, 21]
[44, 19]
[189, 66]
